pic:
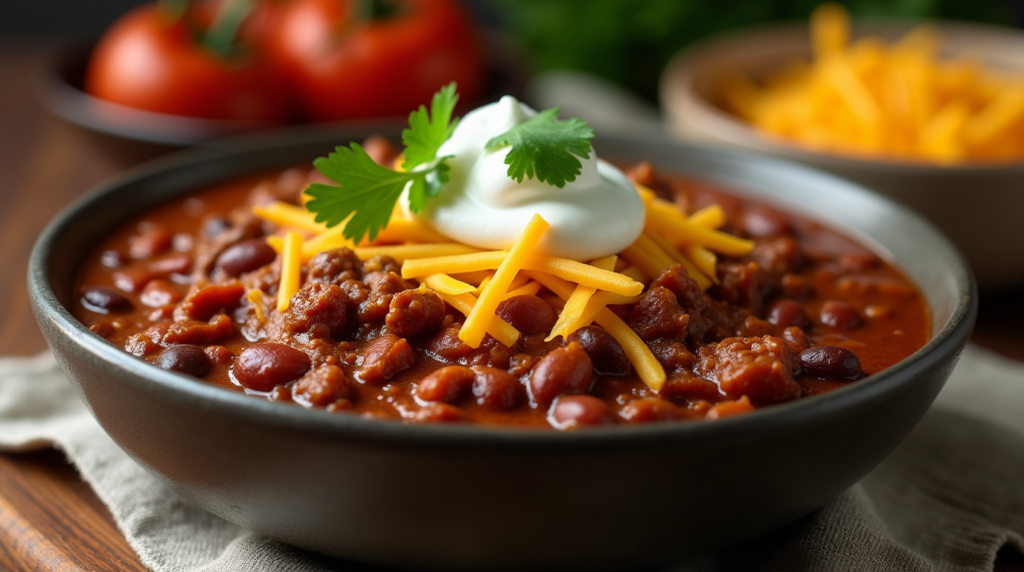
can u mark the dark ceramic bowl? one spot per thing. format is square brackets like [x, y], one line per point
[460, 497]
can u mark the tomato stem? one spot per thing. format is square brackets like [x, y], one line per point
[220, 38]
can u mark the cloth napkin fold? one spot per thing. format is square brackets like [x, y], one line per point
[949, 498]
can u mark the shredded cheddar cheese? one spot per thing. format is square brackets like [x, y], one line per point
[896, 100]
[474, 328]
[255, 297]
[289, 216]
[574, 305]
[291, 269]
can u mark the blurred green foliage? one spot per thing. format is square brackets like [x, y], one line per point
[630, 41]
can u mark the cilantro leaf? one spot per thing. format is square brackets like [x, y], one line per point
[545, 148]
[426, 134]
[367, 192]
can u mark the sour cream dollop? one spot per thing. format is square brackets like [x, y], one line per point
[598, 214]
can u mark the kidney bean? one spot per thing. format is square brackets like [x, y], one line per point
[564, 370]
[383, 357]
[839, 314]
[132, 279]
[152, 241]
[573, 411]
[160, 293]
[605, 353]
[495, 388]
[878, 311]
[103, 300]
[174, 264]
[831, 362]
[528, 313]
[245, 256]
[113, 259]
[649, 410]
[264, 366]
[448, 384]
[786, 313]
[187, 359]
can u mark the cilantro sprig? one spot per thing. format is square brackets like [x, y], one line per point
[366, 193]
[545, 148]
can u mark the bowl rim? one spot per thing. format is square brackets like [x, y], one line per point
[679, 97]
[182, 388]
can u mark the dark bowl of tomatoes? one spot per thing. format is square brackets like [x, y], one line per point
[470, 497]
[148, 81]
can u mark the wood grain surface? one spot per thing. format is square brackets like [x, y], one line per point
[49, 518]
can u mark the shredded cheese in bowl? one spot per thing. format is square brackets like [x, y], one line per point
[899, 100]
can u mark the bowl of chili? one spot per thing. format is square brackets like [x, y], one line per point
[477, 496]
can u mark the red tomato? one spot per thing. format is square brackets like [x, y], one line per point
[149, 61]
[343, 68]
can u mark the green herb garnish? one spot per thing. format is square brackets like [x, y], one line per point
[366, 192]
[546, 148]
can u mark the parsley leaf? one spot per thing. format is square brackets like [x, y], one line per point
[546, 148]
[367, 192]
[425, 135]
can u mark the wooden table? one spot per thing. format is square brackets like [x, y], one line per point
[49, 518]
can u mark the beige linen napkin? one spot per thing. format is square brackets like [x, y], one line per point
[949, 498]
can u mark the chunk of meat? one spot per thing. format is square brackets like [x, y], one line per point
[383, 286]
[317, 310]
[739, 284]
[760, 368]
[383, 357]
[335, 266]
[658, 315]
[673, 355]
[322, 386]
[195, 332]
[413, 312]
[204, 302]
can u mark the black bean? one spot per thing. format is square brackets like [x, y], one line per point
[103, 300]
[184, 358]
[831, 362]
[606, 354]
[245, 256]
